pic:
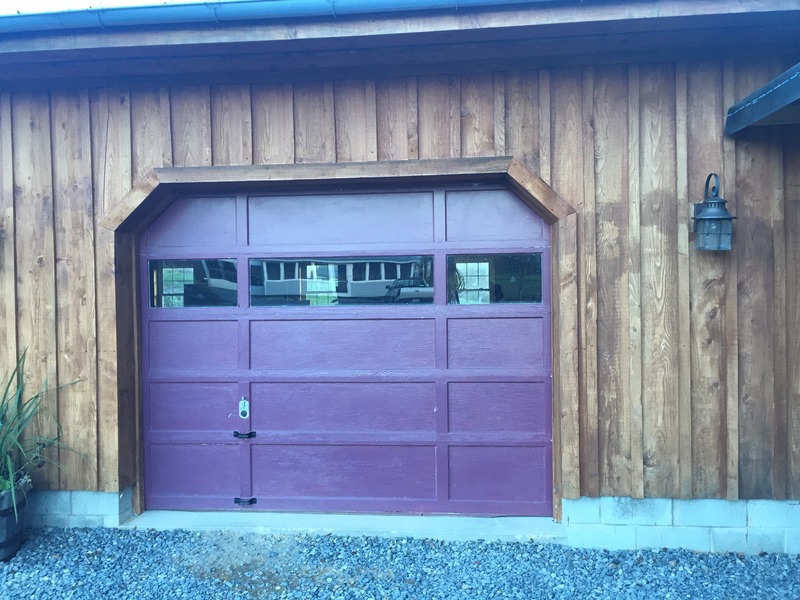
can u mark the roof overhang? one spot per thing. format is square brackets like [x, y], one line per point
[536, 35]
[776, 103]
[156, 190]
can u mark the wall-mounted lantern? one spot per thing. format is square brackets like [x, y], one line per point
[713, 224]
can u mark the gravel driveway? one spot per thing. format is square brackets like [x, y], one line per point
[119, 564]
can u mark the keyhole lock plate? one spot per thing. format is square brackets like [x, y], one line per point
[244, 408]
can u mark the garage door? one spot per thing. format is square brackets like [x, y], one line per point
[369, 351]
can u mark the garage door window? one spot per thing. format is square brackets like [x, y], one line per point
[491, 278]
[195, 282]
[333, 281]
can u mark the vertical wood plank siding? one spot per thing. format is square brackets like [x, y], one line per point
[35, 256]
[76, 320]
[8, 268]
[684, 383]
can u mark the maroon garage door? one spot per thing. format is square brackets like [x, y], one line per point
[369, 351]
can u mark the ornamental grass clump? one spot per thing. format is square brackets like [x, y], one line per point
[21, 451]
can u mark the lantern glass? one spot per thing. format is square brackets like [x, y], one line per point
[714, 234]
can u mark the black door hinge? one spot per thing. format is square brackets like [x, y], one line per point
[245, 501]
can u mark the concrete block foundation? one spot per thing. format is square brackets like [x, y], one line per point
[609, 523]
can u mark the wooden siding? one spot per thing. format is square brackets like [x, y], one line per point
[684, 384]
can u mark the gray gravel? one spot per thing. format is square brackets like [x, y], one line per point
[113, 563]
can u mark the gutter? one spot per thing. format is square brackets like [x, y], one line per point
[226, 11]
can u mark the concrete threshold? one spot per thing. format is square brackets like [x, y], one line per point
[448, 528]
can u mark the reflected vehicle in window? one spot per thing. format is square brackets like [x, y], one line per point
[309, 281]
[409, 290]
[192, 282]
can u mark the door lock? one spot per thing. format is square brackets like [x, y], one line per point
[244, 408]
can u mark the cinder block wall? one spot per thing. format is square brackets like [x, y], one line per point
[748, 526]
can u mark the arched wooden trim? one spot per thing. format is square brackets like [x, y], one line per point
[158, 188]
[154, 192]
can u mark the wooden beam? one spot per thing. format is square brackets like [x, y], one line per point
[153, 192]
[764, 102]
[566, 358]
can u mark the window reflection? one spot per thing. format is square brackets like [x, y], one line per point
[342, 280]
[491, 278]
[195, 282]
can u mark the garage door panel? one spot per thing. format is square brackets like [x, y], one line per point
[370, 471]
[499, 407]
[192, 407]
[175, 470]
[501, 474]
[344, 407]
[193, 345]
[491, 215]
[341, 219]
[512, 343]
[343, 345]
[188, 220]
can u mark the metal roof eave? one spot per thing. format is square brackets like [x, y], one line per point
[765, 102]
[230, 11]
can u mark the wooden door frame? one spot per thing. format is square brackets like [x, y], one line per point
[156, 190]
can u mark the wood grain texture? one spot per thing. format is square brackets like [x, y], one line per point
[613, 316]
[439, 117]
[231, 125]
[355, 115]
[500, 115]
[566, 345]
[791, 171]
[151, 147]
[273, 123]
[35, 252]
[8, 267]
[707, 292]
[755, 248]
[731, 300]
[190, 108]
[545, 123]
[587, 269]
[660, 341]
[522, 114]
[568, 173]
[682, 300]
[75, 308]
[111, 179]
[477, 115]
[780, 466]
[532, 189]
[314, 123]
[634, 269]
[396, 120]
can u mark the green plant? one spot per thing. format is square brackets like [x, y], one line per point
[20, 453]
